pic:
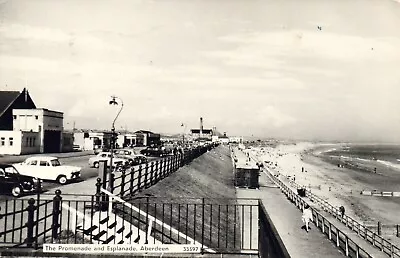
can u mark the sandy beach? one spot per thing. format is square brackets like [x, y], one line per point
[338, 185]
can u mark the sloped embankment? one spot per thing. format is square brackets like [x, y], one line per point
[216, 222]
[208, 176]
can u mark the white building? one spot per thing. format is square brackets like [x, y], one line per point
[47, 123]
[26, 129]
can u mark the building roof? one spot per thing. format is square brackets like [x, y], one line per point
[145, 131]
[206, 131]
[7, 98]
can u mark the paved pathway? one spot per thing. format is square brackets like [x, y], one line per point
[287, 220]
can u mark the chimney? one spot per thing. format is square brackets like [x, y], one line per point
[26, 94]
[201, 127]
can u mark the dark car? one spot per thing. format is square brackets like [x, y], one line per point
[154, 151]
[139, 159]
[11, 181]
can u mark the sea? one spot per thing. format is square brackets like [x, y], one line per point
[386, 154]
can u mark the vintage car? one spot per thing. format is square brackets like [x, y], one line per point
[106, 156]
[11, 181]
[48, 168]
[134, 159]
[155, 151]
[139, 159]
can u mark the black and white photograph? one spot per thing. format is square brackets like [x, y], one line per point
[200, 128]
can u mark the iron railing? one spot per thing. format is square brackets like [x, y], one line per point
[350, 248]
[363, 231]
[217, 225]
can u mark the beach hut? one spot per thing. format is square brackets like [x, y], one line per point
[246, 174]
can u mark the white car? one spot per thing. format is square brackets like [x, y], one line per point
[106, 156]
[48, 168]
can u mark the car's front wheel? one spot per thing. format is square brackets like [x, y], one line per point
[62, 180]
[16, 191]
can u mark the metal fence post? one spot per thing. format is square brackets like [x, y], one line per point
[156, 174]
[98, 192]
[31, 223]
[397, 230]
[337, 237]
[56, 214]
[146, 174]
[151, 173]
[379, 228]
[346, 239]
[140, 178]
[132, 178]
[123, 175]
[111, 183]
[168, 166]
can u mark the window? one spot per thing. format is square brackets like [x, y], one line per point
[33, 163]
[27, 141]
[43, 163]
[15, 117]
[55, 163]
[33, 141]
[37, 117]
[3, 141]
[2, 173]
[11, 139]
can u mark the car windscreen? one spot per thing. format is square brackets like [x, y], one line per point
[10, 170]
[55, 163]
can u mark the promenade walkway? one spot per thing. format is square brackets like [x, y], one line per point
[287, 220]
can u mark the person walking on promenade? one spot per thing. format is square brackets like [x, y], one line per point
[307, 216]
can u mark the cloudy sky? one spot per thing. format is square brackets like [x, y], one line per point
[248, 67]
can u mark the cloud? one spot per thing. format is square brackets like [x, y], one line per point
[269, 115]
[44, 35]
[274, 49]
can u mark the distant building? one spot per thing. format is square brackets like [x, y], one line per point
[149, 138]
[201, 133]
[224, 139]
[130, 139]
[92, 139]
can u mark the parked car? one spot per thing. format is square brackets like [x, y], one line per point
[134, 159]
[117, 161]
[139, 159]
[155, 151]
[11, 181]
[125, 154]
[98, 150]
[48, 168]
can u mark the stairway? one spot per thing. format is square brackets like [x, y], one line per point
[105, 229]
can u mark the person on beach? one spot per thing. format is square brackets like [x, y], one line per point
[307, 216]
[342, 210]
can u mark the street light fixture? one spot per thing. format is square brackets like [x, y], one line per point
[113, 101]
[183, 134]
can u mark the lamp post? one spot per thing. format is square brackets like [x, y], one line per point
[183, 134]
[113, 101]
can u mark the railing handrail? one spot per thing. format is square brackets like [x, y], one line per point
[287, 188]
[385, 244]
[151, 218]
